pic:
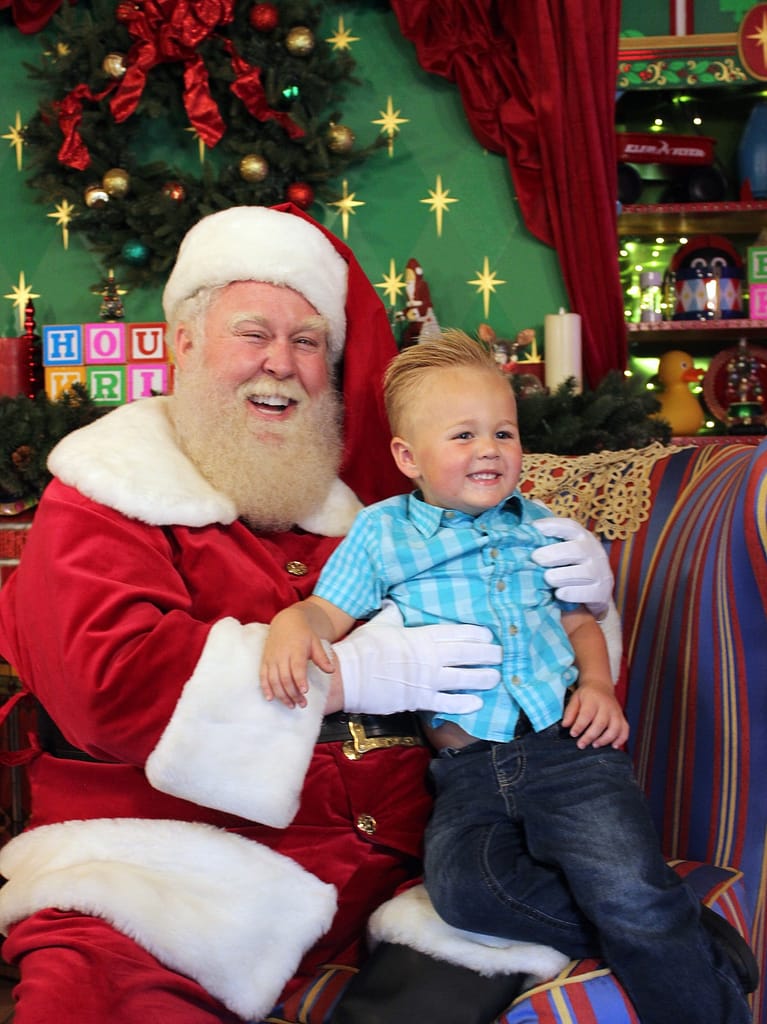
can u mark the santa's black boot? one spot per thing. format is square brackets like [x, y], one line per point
[399, 985]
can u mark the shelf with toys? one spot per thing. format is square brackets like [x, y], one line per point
[728, 218]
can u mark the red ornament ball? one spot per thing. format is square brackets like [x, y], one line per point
[174, 191]
[264, 17]
[126, 10]
[300, 193]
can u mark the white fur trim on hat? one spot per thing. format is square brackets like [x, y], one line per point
[255, 243]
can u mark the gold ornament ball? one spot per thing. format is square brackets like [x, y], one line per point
[340, 139]
[113, 65]
[116, 183]
[300, 41]
[95, 196]
[253, 167]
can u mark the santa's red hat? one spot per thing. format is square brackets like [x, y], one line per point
[284, 245]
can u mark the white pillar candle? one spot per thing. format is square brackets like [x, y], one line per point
[562, 349]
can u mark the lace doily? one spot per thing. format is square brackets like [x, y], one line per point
[609, 492]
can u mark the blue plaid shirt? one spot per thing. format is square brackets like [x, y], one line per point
[439, 565]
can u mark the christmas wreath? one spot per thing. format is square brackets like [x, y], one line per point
[241, 93]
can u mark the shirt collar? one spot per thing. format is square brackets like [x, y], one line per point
[427, 519]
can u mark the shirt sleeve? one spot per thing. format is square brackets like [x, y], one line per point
[352, 578]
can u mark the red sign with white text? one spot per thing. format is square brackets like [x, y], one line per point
[647, 148]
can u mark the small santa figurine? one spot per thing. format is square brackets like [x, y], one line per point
[419, 312]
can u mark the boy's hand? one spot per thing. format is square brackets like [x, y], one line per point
[595, 717]
[288, 648]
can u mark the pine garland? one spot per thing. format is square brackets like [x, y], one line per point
[139, 232]
[617, 414]
[29, 429]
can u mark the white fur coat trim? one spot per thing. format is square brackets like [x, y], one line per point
[229, 748]
[129, 460]
[221, 909]
[410, 920]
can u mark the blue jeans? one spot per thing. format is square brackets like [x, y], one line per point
[539, 841]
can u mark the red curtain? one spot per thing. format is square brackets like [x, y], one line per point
[537, 80]
[31, 16]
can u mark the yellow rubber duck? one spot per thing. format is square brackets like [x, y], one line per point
[678, 406]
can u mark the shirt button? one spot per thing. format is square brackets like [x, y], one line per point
[366, 823]
[513, 630]
[500, 585]
[516, 681]
[297, 568]
[494, 552]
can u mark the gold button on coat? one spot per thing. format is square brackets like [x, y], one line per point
[297, 568]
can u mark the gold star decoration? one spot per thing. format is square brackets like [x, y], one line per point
[439, 201]
[201, 147]
[390, 122]
[486, 283]
[16, 138]
[392, 284]
[63, 214]
[760, 36]
[62, 50]
[346, 206]
[342, 37]
[21, 294]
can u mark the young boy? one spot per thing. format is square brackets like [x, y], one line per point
[539, 831]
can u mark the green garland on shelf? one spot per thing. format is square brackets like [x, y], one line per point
[265, 78]
[617, 414]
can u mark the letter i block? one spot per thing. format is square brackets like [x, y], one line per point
[757, 301]
[63, 345]
[104, 343]
[146, 343]
[757, 263]
[106, 384]
[147, 379]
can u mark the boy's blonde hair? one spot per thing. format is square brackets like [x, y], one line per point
[404, 375]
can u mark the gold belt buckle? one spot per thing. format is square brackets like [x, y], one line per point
[360, 743]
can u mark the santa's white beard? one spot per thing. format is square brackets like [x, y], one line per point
[276, 475]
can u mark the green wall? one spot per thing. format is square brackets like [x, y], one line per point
[394, 224]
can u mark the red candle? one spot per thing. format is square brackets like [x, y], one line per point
[14, 367]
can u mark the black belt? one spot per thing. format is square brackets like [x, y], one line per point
[359, 734]
[362, 733]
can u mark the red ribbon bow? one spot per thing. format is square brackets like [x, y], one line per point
[168, 31]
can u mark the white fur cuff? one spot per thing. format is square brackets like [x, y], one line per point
[410, 920]
[221, 909]
[229, 748]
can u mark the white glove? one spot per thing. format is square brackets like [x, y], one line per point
[578, 568]
[386, 667]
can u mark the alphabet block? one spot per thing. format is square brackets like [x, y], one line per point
[145, 379]
[146, 342]
[104, 343]
[115, 361]
[757, 263]
[57, 381]
[757, 301]
[63, 345]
